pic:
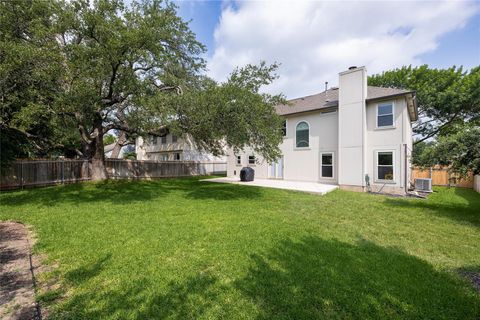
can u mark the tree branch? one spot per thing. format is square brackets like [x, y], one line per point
[434, 132]
[164, 87]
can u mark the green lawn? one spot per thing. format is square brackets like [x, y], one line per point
[185, 249]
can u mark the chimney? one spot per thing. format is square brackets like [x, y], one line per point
[352, 127]
[326, 85]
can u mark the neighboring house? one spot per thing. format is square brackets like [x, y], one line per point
[341, 135]
[171, 148]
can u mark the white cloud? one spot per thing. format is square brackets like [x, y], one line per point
[315, 40]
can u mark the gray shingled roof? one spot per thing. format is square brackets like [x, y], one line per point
[329, 98]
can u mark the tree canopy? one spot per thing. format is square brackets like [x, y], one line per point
[29, 72]
[94, 67]
[459, 151]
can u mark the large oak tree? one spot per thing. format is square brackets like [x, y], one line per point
[138, 69]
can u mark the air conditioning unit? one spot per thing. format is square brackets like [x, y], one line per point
[424, 185]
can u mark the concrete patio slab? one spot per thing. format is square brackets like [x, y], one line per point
[280, 184]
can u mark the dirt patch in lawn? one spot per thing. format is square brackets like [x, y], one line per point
[472, 276]
[17, 273]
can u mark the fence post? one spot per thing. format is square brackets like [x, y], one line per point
[63, 171]
[21, 174]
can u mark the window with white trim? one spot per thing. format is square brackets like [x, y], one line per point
[251, 159]
[177, 156]
[164, 157]
[164, 140]
[326, 165]
[385, 115]
[385, 167]
[239, 160]
[302, 135]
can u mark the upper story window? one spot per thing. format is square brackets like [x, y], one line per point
[385, 115]
[239, 160]
[284, 128]
[251, 159]
[164, 139]
[302, 135]
[174, 138]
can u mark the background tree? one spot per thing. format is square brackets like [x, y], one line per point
[446, 97]
[421, 156]
[231, 114]
[459, 151]
[30, 78]
[109, 139]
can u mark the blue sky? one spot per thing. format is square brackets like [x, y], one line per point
[459, 47]
[315, 40]
[204, 16]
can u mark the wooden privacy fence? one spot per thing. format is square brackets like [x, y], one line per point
[476, 183]
[442, 177]
[119, 169]
[24, 173]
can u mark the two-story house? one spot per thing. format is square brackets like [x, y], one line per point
[171, 148]
[355, 136]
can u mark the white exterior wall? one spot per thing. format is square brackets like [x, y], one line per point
[389, 139]
[233, 169]
[408, 140]
[351, 134]
[300, 164]
[351, 129]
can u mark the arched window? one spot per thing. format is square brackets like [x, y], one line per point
[302, 133]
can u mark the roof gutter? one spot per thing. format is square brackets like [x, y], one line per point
[390, 96]
[319, 109]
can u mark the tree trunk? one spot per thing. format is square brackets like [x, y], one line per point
[122, 139]
[98, 171]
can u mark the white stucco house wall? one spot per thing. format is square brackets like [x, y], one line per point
[342, 135]
[171, 148]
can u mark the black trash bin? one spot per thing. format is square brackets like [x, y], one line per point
[247, 174]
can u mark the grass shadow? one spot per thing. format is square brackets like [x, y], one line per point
[192, 298]
[125, 192]
[308, 279]
[459, 204]
[316, 278]
[120, 192]
[88, 271]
